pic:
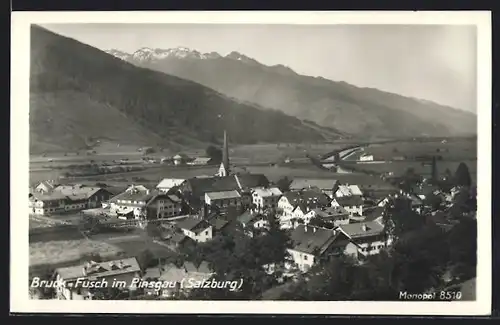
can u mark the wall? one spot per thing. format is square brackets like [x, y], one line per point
[304, 261]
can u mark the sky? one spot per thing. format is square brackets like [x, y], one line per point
[432, 62]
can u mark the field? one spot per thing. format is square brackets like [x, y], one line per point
[452, 149]
[53, 252]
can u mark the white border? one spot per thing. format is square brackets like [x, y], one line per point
[20, 58]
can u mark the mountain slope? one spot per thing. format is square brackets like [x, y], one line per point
[361, 111]
[79, 92]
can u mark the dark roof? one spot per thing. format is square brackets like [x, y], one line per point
[199, 186]
[246, 217]
[308, 239]
[193, 224]
[331, 212]
[351, 200]
[362, 229]
[178, 238]
[218, 223]
[307, 199]
[373, 213]
[320, 183]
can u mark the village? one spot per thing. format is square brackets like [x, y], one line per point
[286, 230]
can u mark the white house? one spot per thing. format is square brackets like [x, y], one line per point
[294, 205]
[366, 238]
[366, 157]
[252, 222]
[65, 198]
[352, 204]
[266, 198]
[310, 244]
[134, 203]
[196, 228]
[167, 183]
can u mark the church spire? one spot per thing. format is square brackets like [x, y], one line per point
[224, 166]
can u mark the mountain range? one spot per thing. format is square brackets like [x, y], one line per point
[79, 94]
[339, 105]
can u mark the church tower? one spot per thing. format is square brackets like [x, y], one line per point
[224, 166]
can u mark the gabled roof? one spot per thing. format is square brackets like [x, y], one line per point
[199, 186]
[222, 195]
[311, 240]
[218, 223]
[331, 212]
[194, 224]
[320, 183]
[99, 269]
[267, 192]
[357, 230]
[307, 199]
[170, 182]
[373, 213]
[348, 201]
[348, 190]
[141, 196]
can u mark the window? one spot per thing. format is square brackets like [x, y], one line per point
[305, 257]
[206, 232]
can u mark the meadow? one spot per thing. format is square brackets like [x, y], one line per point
[450, 149]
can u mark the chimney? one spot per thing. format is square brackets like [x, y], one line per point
[314, 229]
[363, 227]
[84, 271]
[305, 228]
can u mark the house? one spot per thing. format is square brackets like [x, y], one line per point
[180, 159]
[366, 238]
[366, 157]
[332, 216]
[252, 223]
[168, 183]
[266, 198]
[178, 241]
[327, 186]
[294, 205]
[348, 190]
[312, 244]
[65, 198]
[46, 186]
[223, 199]
[139, 202]
[72, 281]
[200, 161]
[219, 225]
[196, 228]
[196, 187]
[181, 280]
[353, 204]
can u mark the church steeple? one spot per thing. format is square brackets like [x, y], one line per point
[224, 169]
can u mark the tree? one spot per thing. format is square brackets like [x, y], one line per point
[462, 175]
[145, 259]
[284, 184]
[214, 153]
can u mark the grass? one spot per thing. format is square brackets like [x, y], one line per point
[453, 149]
[53, 252]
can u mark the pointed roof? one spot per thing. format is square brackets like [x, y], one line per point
[225, 155]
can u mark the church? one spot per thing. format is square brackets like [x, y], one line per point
[196, 189]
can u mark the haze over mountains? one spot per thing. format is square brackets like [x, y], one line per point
[79, 93]
[350, 109]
